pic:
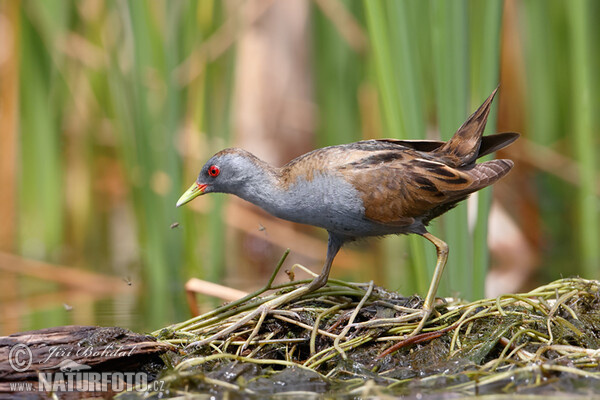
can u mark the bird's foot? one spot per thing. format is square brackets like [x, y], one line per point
[261, 312]
[414, 314]
[425, 313]
[411, 315]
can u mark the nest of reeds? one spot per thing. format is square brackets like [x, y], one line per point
[342, 339]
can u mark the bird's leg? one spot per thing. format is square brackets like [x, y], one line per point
[425, 312]
[333, 246]
[442, 257]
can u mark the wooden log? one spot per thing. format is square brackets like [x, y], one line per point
[62, 349]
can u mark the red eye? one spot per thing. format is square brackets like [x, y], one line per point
[213, 170]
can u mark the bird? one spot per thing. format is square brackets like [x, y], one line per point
[369, 188]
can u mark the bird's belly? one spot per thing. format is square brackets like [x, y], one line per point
[331, 203]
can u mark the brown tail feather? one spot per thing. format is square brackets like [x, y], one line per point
[463, 147]
[488, 172]
[483, 175]
[492, 143]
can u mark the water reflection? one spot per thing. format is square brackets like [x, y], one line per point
[34, 304]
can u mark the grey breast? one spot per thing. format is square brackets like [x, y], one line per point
[327, 201]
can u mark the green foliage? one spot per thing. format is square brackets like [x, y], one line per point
[120, 102]
[561, 95]
[135, 113]
[397, 31]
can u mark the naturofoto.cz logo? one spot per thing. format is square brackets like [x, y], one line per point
[84, 381]
[70, 376]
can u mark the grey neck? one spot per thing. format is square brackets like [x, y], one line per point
[261, 189]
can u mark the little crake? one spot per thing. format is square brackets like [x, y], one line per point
[367, 188]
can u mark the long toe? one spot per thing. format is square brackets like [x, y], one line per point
[426, 313]
[261, 312]
[230, 329]
[411, 315]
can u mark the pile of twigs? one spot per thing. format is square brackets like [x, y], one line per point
[346, 338]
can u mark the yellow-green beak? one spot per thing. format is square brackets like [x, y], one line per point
[194, 191]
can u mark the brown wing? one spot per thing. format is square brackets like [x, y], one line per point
[489, 144]
[396, 192]
[347, 156]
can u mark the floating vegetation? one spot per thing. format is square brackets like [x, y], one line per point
[350, 339]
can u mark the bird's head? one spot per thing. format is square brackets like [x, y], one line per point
[228, 171]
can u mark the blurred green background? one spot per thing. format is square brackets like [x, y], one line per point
[108, 109]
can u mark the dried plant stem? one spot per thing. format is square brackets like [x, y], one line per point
[318, 330]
